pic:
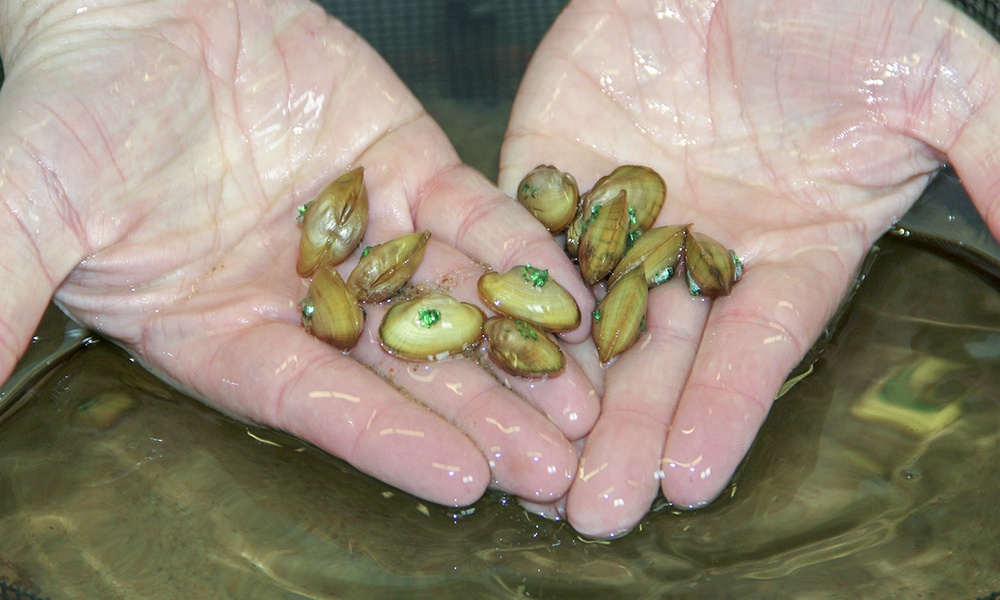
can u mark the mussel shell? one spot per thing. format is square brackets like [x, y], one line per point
[517, 294]
[431, 327]
[333, 223]
[604, 239]
[659, 252]
[644, 187]
[330, 311]
[573, 234]
[521, 349]
[551, 195]
[620, 316]
[385, 268]
[712, 269]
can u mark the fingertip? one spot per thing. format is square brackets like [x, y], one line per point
[568, 399]
[616, 482]
[703, 451]
[544, 473]
[553, 511]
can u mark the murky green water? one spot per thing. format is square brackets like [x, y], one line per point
[877, 476]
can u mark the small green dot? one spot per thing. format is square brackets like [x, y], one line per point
[534, 191]
[632, 219]
[596, 314]
[527, 331]
[307, 309]
[428, 316]
[693, 288]
[663, 276]
[365, 252]
[536, 277]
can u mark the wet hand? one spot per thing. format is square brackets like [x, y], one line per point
[793, 132]
[155, 156]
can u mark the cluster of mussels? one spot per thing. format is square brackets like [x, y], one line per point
[428, 326]
[610, 234]
[608, 231]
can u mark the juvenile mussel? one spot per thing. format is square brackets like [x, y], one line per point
[712, 269]
[333, 223]
[431, 327]
[551, 196]
[528, 293]
[646, 193]
[658, 252]
[330, 311]
[522, 349]
[620, 317]
[385, 268]
[604, 239]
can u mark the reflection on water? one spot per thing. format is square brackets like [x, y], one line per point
[876, 476]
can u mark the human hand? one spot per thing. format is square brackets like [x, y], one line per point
[794, 132]
[154, 157]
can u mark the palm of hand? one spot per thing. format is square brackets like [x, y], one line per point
[182, 157]
[786, 130]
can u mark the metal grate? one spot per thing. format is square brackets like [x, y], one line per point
[469, 50]
[984, 12]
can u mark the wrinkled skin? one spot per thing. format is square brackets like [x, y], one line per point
[794, 131]
[154, 157]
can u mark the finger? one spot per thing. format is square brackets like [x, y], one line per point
[527, 453]
[976, 156]
[275, 373]
[618, 474]
[568, 399]
[752, 340]
[34, 259]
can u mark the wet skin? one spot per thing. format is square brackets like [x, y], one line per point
[795, 133]
[155, 154]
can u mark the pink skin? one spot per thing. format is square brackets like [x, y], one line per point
[154, 157]
[794, 131]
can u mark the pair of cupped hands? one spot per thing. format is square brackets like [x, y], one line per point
[154, 155]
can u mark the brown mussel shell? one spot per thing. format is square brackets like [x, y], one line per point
[431, 327]
[646, 192]
[712, 269]
[529, 294]
[521, 349]
[644, 187]
[604, 239]
[330, 312]
[659, 252]
[333, 223]
[620, 317]
[551, 195]
[385, 268]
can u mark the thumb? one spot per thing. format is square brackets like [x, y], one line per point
[37, 249]
[973, 114]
